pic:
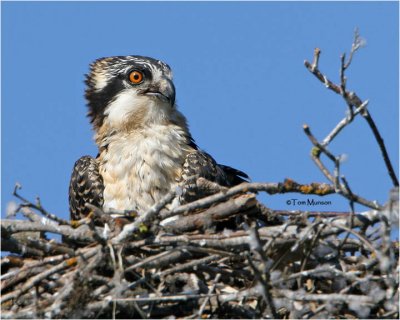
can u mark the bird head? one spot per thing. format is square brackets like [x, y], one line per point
[129, 91]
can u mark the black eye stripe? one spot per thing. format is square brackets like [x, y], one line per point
[99, 100]
[116, 71]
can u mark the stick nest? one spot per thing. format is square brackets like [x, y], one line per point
[223, 256]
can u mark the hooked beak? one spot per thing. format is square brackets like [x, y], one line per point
[163, 90]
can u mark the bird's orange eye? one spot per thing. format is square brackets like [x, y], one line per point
[136, 77]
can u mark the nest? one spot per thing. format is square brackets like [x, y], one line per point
[223, 256]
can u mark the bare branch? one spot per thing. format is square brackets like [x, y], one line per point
[352, 99]
[222, 256]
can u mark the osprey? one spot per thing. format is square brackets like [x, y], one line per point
[145, 147]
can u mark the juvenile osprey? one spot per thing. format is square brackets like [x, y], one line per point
[145, 147]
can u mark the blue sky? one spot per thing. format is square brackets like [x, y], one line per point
[240, 80]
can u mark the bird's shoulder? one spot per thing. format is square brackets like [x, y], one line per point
[201, 164]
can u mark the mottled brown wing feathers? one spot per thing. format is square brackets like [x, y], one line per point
[201, 164]
[86, 186]
[233, 176]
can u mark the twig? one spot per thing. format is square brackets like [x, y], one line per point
[37, 206]
[210, 291]
[351, 217]
[14, 226]
[367, 116]
[143, 219]
[209, 217]
[352, 99]
[342, 189]
[323, 214]
[320, 189]
[346, 298]
[36, 279]
[188, 265]
[343, 123]
[262, 277]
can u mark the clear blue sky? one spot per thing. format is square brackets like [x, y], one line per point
[240, 80]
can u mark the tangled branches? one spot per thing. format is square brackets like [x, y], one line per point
[295, 267]
[223, 256]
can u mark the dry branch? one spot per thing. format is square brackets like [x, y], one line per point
[222, 256]
[352, 100]
[246, 271]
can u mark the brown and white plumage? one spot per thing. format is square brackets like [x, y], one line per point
[145, 147]
[86, 186]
